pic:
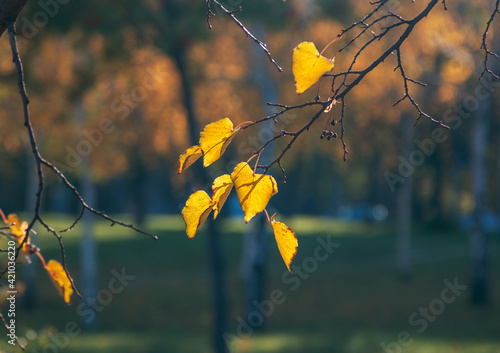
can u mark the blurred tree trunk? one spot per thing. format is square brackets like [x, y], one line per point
[253, 264]
[87, 244]
[404, 205]
[254, 250]
[29, 271]
[217, 261]
[138, 171]
[478, 241]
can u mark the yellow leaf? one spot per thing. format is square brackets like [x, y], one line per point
[254, 191]
[60, 279]
[18, 229]
[286, 240]
[215, 138]
[198, 207]
[188, 157]
[308, 66]
[221, 188]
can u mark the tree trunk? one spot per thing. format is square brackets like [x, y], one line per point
[216, 252]
[254, 251]
[253, 265]
[87, 245]
[404, 205]
[88, 257]
[138, 172]
[478, 241]
[29, 271]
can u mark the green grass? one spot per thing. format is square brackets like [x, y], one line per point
[352, 303]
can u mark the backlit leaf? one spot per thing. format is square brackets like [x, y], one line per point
[215, 138]
[308, 66]
[286, 240]
[188, 157]
[198, 207]
[60, 279]
[253, 190]
[18, 229]
[221, 188]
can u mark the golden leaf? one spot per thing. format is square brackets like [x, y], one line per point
[308, 66]
[60, 279]
[198, 207]
[286, 240]
[253, 190]
[215, 138]
[18, 229]
[188, 157]
[221, 188]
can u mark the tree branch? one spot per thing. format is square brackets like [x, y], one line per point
[340, 92]
[39, 161]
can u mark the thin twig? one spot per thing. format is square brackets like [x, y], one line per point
[484, 45]
[342, 130]
[247, 32]
[408, 96]
[63, 253]
[39, 161]
[285, 109]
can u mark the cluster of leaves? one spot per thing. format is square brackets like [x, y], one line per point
[253, 190]
[17, 232]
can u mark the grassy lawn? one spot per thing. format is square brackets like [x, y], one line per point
[351, 301]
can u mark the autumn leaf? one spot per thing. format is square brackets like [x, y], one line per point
[221, 188]
[308, 66]
[60, 279]
[198, 207]
[286, 240]
[215, 138]
[18, 229]
[188, 157]
[253, 190]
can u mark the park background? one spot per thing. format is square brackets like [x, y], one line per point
[111, 86]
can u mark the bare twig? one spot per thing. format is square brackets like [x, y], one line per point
[408, 96]
[395, 47]
[295, 136]
[379, 4]
[484, 45]
[285, 109]
[39, 161]
[209, 14]
[247, 32]
[342, 130]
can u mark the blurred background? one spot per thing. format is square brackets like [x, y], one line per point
[411, 221]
